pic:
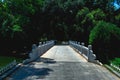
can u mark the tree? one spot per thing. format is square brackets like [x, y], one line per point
[87, 19]
[104, 37]
[117, 20]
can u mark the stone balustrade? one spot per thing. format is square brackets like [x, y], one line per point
[8, 67]
[86, 52]
[116, 67]
[37, 51]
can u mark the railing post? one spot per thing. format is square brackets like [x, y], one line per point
[40, 43]
[34, 46]
[82, 44]
[89, 53]
[79, 46]
[78, 43]
[38, 50]
[92, 56]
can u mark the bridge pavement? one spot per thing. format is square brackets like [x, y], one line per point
[62, 63]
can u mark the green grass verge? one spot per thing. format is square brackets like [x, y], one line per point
[6, 60]
[115, 61]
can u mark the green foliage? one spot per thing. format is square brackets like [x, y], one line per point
[87, 19]
[16, 28]
[117, 17]
[94, 16]
[105, 37]
[82, 12]
[102, 4]
[6, 60]
[98, 14]
[24, 22]
[10, 26]
[103, 31]
[115, 61]
[43, 39]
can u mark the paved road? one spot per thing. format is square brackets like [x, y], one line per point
[62, 63]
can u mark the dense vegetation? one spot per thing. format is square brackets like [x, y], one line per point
[115, 61]
[24, 22]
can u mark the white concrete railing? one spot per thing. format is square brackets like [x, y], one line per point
[7, 67]
[116, 67]
[37, 51]
[87, 52]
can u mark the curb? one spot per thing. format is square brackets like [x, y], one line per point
[9, 71]
[113, 71]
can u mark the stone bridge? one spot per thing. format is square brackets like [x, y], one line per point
[61, 62]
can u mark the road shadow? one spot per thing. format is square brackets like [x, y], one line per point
[46, 60]
[30, 73]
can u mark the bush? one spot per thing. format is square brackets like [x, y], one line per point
[105, 38]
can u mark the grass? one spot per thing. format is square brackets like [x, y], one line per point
[6, 60]
[116, 61]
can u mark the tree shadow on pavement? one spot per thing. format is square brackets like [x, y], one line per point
[30, 73]
[46, 60]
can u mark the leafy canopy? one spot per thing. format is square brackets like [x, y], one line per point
[103, 31]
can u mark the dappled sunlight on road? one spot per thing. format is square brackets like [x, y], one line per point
[62, 63]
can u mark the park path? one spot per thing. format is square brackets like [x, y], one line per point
[62, 63]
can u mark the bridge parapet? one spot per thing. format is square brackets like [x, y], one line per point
[5, 71]
[37, 51]
[86, 52]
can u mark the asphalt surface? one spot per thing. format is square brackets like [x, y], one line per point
[62, 63]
